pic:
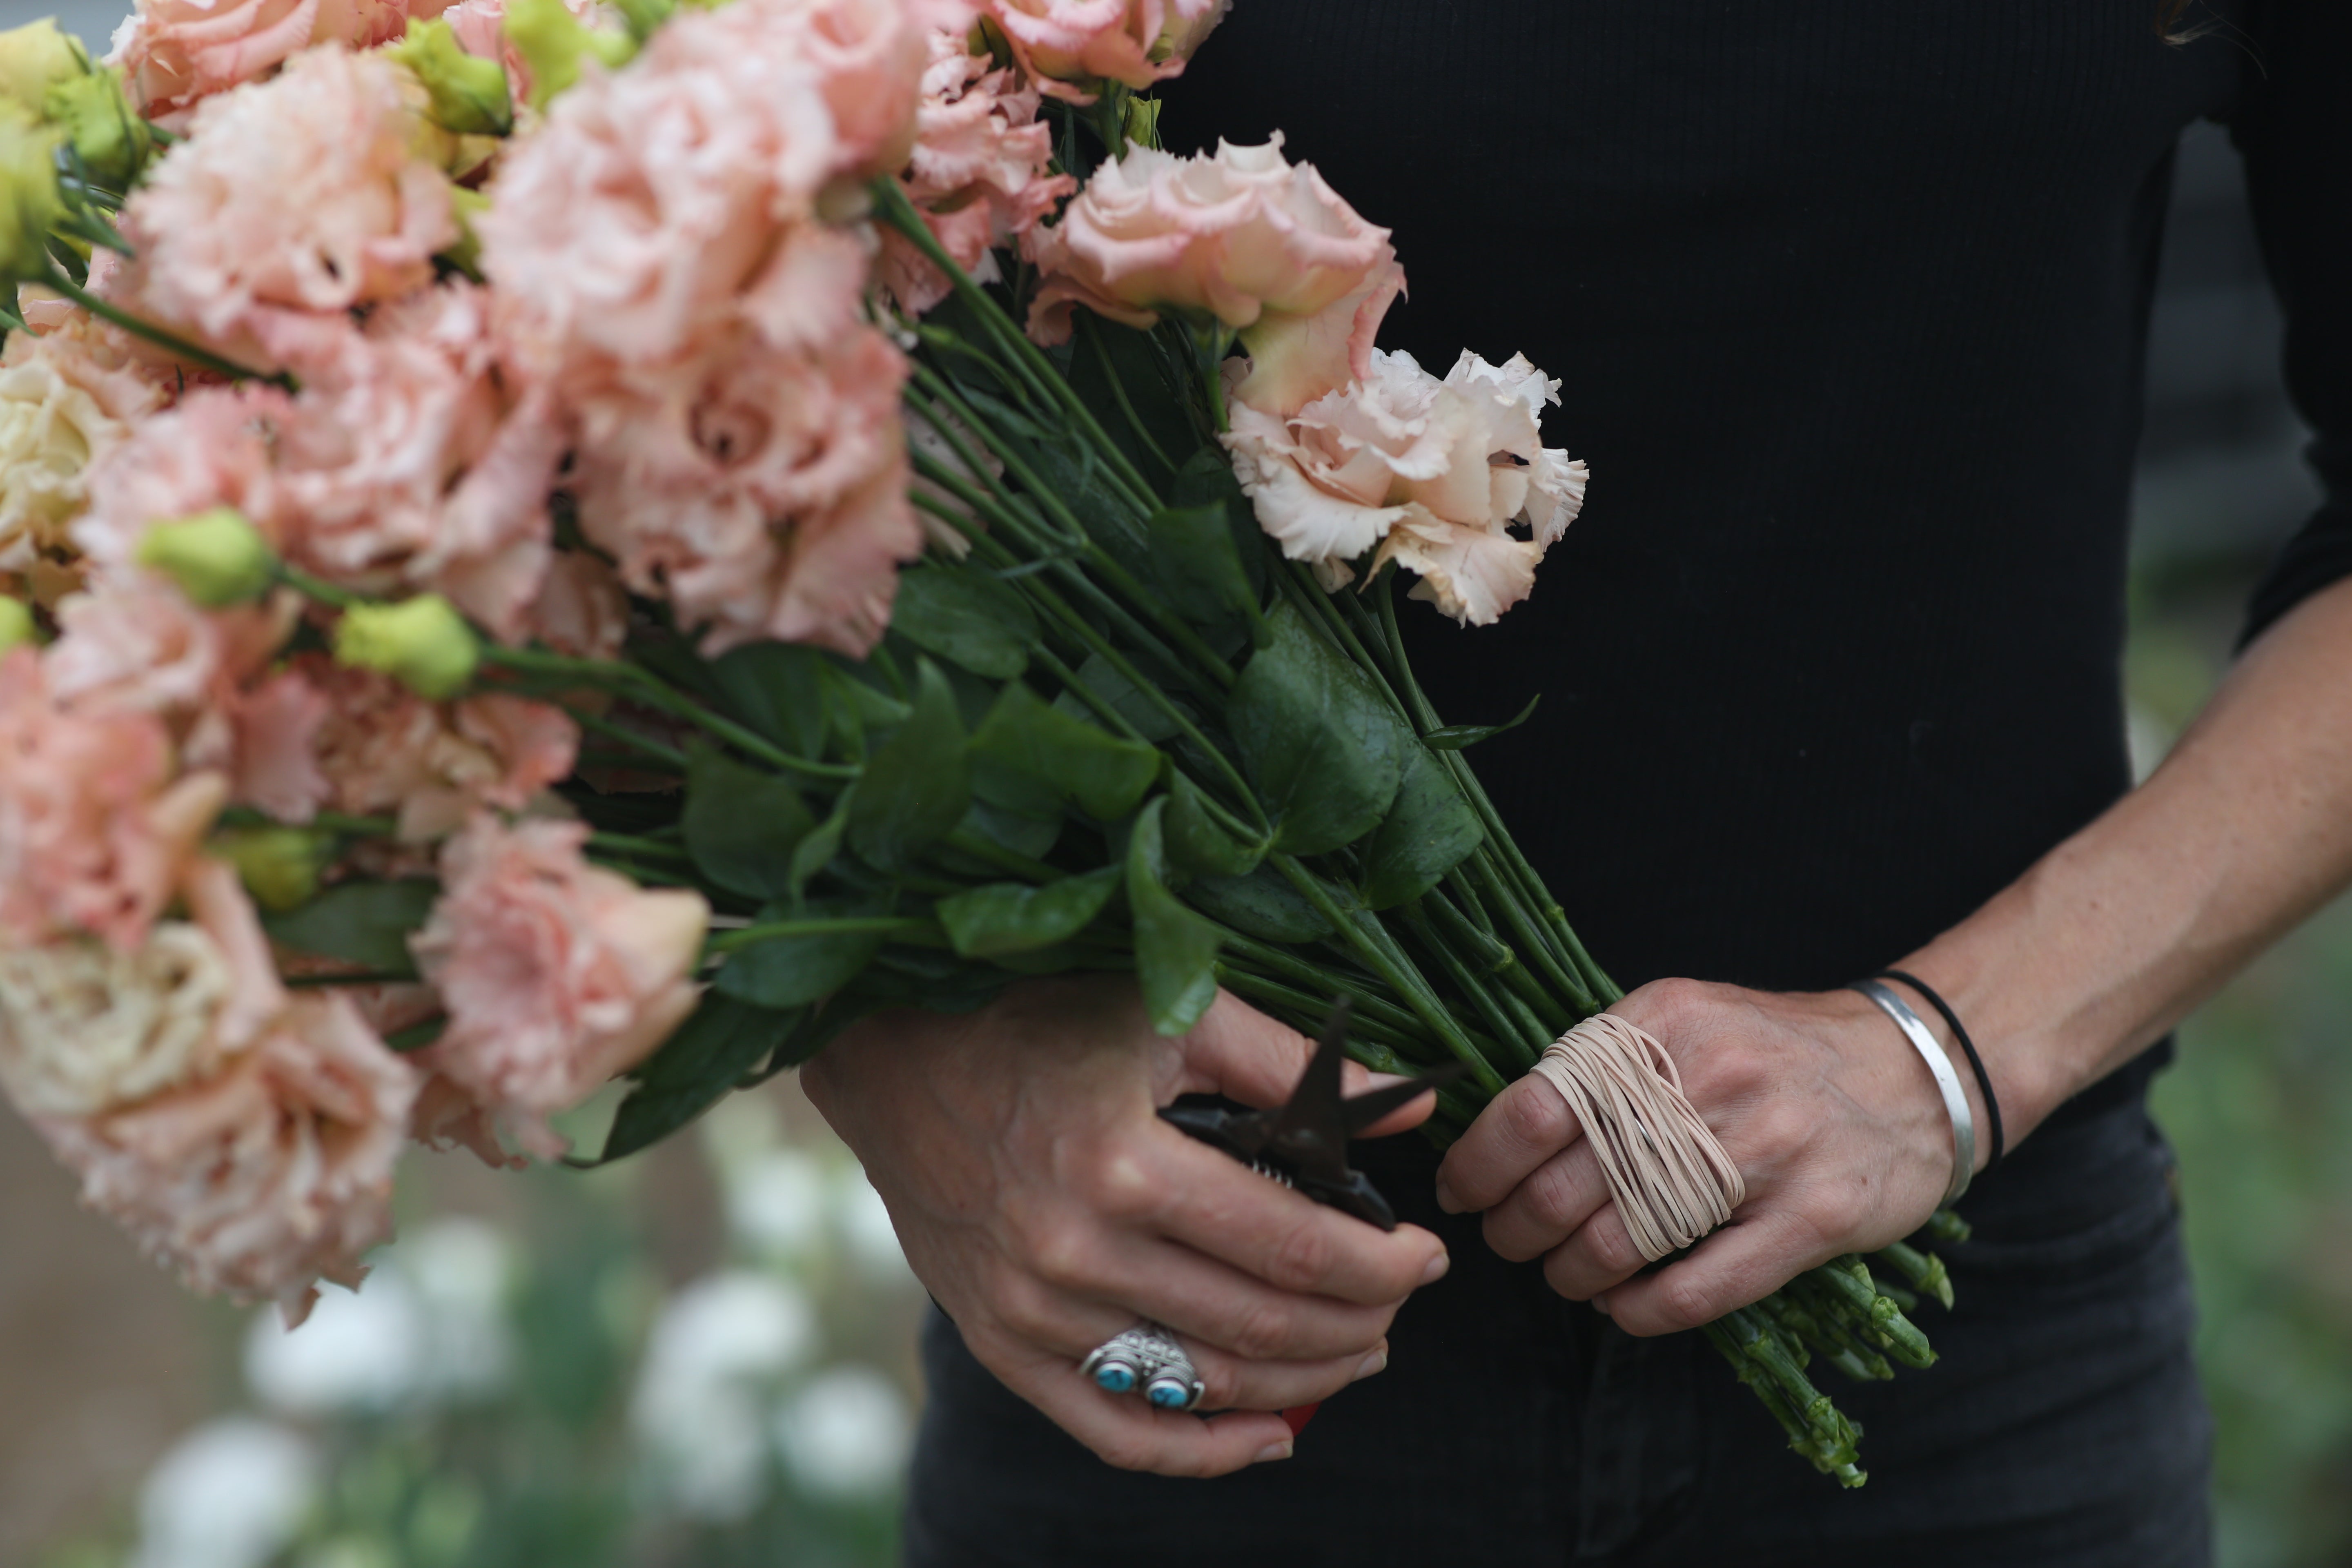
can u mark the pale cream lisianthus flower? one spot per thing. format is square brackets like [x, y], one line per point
[87, 1028]
[1073, 46]
[557, 975]
[1450, 479]
[1244, 237]
[291, 201]
[261, 1178]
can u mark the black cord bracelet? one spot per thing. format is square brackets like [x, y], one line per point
[1967, 1047]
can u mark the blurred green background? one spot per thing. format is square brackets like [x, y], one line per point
[702, 1358]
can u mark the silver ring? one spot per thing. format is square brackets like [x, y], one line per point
[1146, 1360]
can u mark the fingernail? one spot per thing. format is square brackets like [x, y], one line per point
[1436, 1271]
[1280, 1451]
[1376, 1362]
[1383, 1079]
[1446, 1198]
[1600, 1305]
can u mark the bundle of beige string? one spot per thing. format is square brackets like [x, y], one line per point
[1670, 1178]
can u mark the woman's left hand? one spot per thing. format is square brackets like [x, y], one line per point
[1834, 1120]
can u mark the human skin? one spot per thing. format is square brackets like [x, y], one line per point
[1046, 1208]
[2075, 968]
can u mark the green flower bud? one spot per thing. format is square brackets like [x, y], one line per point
[642, 17]
[215, 557]
[279, 865]
[469, 94]
[1143, 122]
[466, 206]
[35, 57]
[29, 203]
[95, 114]
[550, 40]
[15, 624]
[421, 642]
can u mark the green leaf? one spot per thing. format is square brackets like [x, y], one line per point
[1197, 845]
[917, 786]
[742, 826]
[1261, 904]
[1175, 948]
[792, 971]
[1033, 760]
[1032, 835]
[1207, 479]
[820, 1026]
[816, 851]
[778, 689]
[720, 1041]
[1096, 675]
[933, 979]
[854, 705]
[1199, 568]
[1425, 834]
[974, 621]
[1321, 743]
[1012, 917]
[366, 923]
[1454, 737]
[1145, 377]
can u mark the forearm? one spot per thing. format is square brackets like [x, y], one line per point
[2113, 936]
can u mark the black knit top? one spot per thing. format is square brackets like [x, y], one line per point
[1848, 302]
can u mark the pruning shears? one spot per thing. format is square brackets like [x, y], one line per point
[1303, 1144]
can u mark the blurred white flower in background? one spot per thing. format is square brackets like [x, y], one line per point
[859, 1215]
[429, 1325]
[718, 1352]
[360, 1353]
[231, 1494]
[776, 1203]
[845, 1434]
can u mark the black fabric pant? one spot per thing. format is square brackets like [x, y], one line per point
[2062, 1426]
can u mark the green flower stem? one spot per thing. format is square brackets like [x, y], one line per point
[1168, 625]
[1522, 988]
[1370, 1006]
[652, 751]
[629, 844]
[1528, 939]
[1089, 330]
[644, 686]
[1925, 1271]
[980, 849]
[327, 821]
[1394, 970]
[317, 588]
[596, 757]
[1465, 899]
[907, 929]
[179, 347]
[890, 202]
[349, 977]
[1521, 1054]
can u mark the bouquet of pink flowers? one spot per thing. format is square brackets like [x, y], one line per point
[546, 542]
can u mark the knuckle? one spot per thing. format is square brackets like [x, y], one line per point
[1125, 1450]
[1023, 1307]
[1062, 1253]
[1551, 1195]
[1686, 1302]
[1262, 1331]
[1613, 1249]
[1535, 1115]
[1116, 1185]
[1671, 1002]
[1301, 1260]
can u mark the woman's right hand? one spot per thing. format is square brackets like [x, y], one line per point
[1047, 1207]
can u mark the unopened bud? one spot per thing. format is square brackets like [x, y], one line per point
[29, 203]
[279, 865]
[469, 94]
[421, 642]
[466, 205]
[643, 16]
[1143, 122]
[550, 40]
[16, 627]
[217, 558]
[1183, 34]
[93, 112]
[35, 57]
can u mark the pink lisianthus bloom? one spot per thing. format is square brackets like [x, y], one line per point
[216, 448]
[869, 57]
[290, 201]
[582, 609]
[87, 1028]
[95, 825]
[557, 975]
[413, 463]
[763, 490]
[1245, 239]
[380, 748]
[629, 223]
[977, 173]
[175, 52]
[267, 1175]
[1073, 46]
[1437, 475]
